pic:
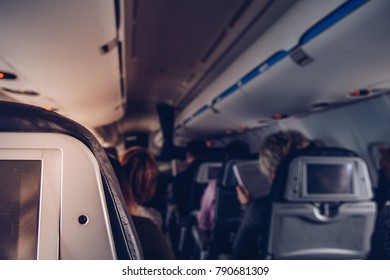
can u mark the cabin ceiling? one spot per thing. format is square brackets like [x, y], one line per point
[173, 48]
[166, 43]
[54, 48]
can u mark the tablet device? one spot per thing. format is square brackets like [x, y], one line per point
[249, 176]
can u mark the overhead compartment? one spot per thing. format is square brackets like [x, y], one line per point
[213, 122]
[263, 59]
[247, 107]
[351, 55]
[204, 123]
[343, 55]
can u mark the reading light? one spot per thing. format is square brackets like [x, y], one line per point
[7, 76]
[279, 116]
[209, 143]
[242, 128]
[355, 93]
[359, 92]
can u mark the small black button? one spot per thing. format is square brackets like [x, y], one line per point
[83, 219]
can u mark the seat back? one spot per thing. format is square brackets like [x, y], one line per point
[227, 214]
[207, 171]
[227, 207]
[67, 200]
[321, 206]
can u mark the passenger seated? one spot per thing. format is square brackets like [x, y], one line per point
[141, 171]
[382, 192]
[182, 183]
[160, 198]
[210, 240]
[153, 242]
[206, 213]
[252, 228]
[380, 243]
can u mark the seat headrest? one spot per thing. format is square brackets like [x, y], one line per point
[23, 118]
[208, 171]
[322, 175]
[227, 177]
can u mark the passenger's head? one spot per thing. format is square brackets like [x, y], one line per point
[196, 149]
[317, 143]
[276, 146]
[141, 171]
[236, 149]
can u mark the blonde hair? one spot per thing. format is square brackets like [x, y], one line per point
[141, 171]
[276, 146]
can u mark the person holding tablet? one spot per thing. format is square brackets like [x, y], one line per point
[273, 150]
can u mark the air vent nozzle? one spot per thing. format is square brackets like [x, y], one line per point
[21, 92]
[300, 57]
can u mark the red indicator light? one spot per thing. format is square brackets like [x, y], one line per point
[242, 128]
[7, 76]
[209, 143]
[356, 93]
[278, 117]
[359, 92]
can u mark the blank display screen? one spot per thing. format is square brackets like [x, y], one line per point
[213, 172]
[20, 182]
[329, 178]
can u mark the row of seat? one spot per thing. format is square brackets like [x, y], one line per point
[320, 207]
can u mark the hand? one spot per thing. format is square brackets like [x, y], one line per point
[243, 195]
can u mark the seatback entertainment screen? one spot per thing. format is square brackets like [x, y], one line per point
[20, 185]
[329, 178]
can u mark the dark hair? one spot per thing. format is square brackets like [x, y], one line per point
[141, 170]
[237, 148]
[197, 148]
[122, 179]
